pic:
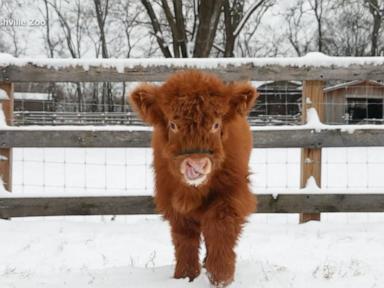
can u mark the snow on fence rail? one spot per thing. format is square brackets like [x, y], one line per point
[313, 66]
[314, 69]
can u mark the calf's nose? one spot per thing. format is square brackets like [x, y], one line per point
[200, 165]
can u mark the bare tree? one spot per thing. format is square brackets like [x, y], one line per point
[73, 35]
[241, 25]
[158, 33]
[297, 32]
[318, 9]
[350, 29]
[13, 35]
[376, 13]
[194, 25]
[235, 20]
[101, 10]
[208, 14]
[50, 44]
[101, 15]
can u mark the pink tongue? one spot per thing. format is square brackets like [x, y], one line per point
[191, 173]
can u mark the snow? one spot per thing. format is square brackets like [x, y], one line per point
[3, 192]
[121, 128]
[312, 186]
[30, 96]
[138, 253]
[5, 56]
[3, 123]
[314, 59]
[3, 95]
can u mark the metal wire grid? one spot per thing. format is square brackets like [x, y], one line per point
[83, 171]
[279, 103]
[112, 170]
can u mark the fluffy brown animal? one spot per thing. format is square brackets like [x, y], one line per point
[201, 143]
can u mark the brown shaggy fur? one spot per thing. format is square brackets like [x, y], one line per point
[194, 101]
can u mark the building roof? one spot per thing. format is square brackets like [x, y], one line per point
[353, 83]
[284, 85]
[31, 96]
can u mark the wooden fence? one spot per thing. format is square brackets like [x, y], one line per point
[310, 138]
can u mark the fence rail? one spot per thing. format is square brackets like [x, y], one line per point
[97, 137]
[318, 67]
[126, 205]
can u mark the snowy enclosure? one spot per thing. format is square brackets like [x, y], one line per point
[110, 250]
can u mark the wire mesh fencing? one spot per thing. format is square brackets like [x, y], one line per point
[129, 170]
[279, 103]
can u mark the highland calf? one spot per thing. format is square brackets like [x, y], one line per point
[202, 144]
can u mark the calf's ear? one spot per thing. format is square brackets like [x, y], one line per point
[143, 101]
[242, 96]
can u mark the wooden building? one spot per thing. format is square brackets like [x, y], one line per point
[278, 104]
[33, 97]
[354, 102]
[32, 101]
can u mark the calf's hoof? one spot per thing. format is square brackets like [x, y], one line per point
[190, 272]
[220, 277]
[219, 283]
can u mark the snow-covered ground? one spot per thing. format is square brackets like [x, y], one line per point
[343, 250]
[137, 252]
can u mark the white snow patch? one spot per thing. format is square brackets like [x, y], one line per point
[3, 95]
[311, 59]
[6, 56]
[3, 122]
[311, 185]
[121, 128]
[30, 96]
[308, 161]
[313, 119]
[316, 55]
[2, 189]
[139, 253]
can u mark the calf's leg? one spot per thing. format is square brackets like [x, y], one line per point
[186, 239]
[221, 229]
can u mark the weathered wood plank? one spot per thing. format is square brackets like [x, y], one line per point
[24, 137]
[6, 153]
[312, 97]
[128, 205]
[230, 71]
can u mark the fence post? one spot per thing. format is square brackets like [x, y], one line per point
[6, 153]
[312, 96]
